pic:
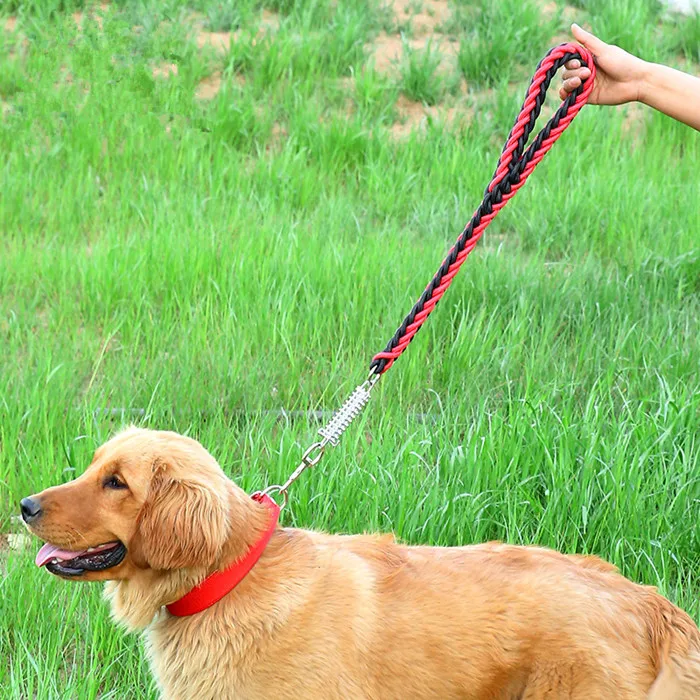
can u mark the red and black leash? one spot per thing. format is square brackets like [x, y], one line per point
[514, 166]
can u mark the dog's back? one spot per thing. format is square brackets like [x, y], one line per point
[534, 622]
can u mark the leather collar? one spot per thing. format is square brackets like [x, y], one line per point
[220, 583]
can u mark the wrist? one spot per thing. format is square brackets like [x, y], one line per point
[646, 81]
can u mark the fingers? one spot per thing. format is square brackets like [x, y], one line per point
[575, 71]
[591, 42]
[569, 86]
[574, 74]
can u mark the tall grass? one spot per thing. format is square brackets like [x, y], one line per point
[499, 37]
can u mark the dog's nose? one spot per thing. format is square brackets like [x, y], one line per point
[30, 508]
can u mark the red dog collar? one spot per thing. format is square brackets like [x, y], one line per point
[218, 584]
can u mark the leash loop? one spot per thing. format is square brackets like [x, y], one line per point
[514, 166]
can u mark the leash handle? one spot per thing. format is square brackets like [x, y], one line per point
[514, 167]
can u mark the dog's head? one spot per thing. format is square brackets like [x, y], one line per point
[149, 500]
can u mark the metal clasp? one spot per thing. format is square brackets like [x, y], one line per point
[310, 458]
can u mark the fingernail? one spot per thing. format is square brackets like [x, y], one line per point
[575, 63]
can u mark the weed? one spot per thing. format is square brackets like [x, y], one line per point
[422, 76]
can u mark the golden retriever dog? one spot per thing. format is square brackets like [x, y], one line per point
[359, 617]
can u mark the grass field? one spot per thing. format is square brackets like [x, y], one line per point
[210, 217]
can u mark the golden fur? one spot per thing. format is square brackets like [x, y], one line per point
[360, 617]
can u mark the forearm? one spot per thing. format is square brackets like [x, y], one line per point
[672, 92]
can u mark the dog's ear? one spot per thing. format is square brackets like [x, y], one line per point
[182, 525]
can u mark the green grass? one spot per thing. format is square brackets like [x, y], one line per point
[223, 17]
[203, 277]
[499, 37]
[683, 35]
[627, 23]
[421, 78]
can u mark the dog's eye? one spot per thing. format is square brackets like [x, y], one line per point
[114, 482]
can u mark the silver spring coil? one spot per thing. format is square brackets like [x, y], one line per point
[346, 413]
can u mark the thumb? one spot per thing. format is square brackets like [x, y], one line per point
[591, 42]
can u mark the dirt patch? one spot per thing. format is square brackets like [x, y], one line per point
[423, 17]
[570, 14]
[164, 70]
[94, 13]
[278, 135]
[209, 88]
[412, 116]
[347, 83]
[549, 9]
[11, 27]
[221, 41]
[10, 542]
[270, 21]
[415, 116]
[388, 50]
[67, 79]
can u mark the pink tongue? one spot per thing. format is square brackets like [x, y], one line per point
[51, 551]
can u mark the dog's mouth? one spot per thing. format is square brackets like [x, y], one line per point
[65, 562]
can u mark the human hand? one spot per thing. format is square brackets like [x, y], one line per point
[619, 75]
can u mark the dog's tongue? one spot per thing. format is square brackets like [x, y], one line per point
[51, 551]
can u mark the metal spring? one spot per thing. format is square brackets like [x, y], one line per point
[346, 414]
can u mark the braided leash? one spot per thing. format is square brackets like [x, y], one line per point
[514, 167]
